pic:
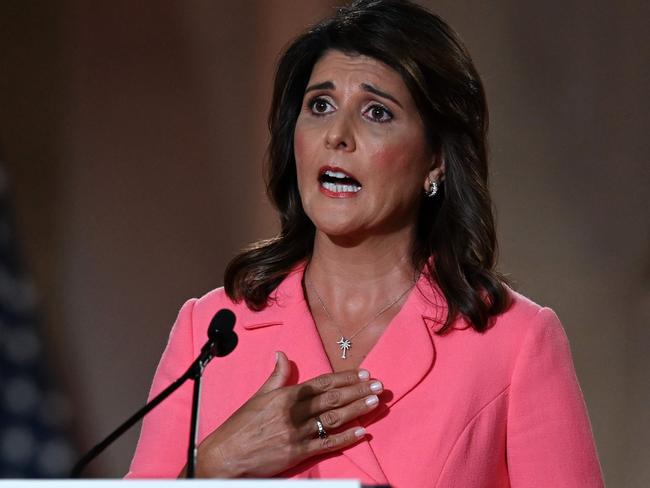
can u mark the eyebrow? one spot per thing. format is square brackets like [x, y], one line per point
[328, 85]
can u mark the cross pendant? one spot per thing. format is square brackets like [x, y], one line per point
[344, 345]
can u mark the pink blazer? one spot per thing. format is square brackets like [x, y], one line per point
[466, 409]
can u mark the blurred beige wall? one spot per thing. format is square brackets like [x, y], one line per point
[135, 133]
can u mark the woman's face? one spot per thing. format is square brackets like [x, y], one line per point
[360, 146]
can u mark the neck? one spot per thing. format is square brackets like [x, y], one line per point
[355, 279]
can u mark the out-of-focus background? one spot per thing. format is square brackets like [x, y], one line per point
[132, 136]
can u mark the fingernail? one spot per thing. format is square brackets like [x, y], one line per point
[360, 432]
[363, 374]
[372, 400]
[277, 356]
[376, 386]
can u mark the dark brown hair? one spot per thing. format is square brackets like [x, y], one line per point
[457, 226]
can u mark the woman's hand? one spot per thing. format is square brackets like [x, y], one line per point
[276, 428]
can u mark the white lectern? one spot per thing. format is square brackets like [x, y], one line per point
[275, 483]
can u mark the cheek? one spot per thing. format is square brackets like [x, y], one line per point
[302, 150]
[298, 140]
[398, 162]
[298, 143]
[299, 149]
[387, 159]
[302, 147]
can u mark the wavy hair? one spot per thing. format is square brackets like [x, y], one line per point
[457, 226]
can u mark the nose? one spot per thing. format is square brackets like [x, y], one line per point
[340, 135]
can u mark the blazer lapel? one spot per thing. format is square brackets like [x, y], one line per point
[300, 339]
[297, 335]
[405, 352]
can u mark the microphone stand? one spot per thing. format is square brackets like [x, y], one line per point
[194, 373]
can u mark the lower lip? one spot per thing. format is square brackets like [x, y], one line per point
[343, 194]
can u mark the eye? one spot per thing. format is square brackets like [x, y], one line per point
[379, 113]
[318, 106]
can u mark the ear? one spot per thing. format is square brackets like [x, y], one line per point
[436, 172]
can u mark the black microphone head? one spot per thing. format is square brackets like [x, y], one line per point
[223, 321]
[226, 344]
[221, 332]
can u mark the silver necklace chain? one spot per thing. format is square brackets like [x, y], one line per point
[345, 343]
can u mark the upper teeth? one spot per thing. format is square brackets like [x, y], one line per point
[336, 174]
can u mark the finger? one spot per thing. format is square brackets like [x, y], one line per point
[279, 375]
[329, 381]
[332, 419]
[334, 442]
[339, 397]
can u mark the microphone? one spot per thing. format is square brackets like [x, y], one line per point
[221, 332]
[222, 340]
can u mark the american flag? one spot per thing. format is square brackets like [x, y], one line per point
[33, 413]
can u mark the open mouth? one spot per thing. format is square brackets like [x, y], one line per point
[337, 181]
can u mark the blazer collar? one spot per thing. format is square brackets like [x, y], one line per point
[402, 356]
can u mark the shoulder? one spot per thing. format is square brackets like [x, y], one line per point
[525, 317]
[522, 317]
[525, 326]
[521, 307]
[206, 306]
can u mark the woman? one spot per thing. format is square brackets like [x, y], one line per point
[376, 340]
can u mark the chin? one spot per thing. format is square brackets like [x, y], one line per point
[335, 227]
[343, 235]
